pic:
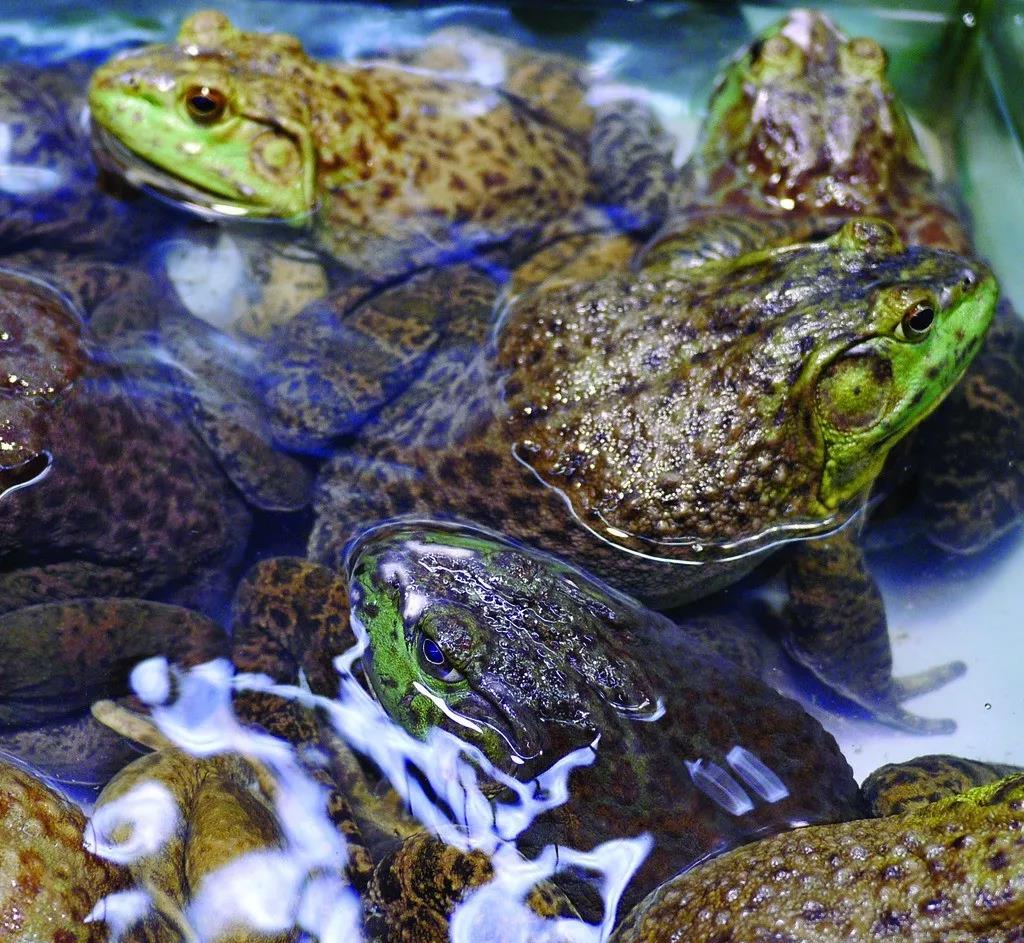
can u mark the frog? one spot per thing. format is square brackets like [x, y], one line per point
[518, 610]
[52, 193]
[497, 447]
[160, 510]
[802, 131]
[949, 869]
[489, 639]
[392, 166]
[50, 883]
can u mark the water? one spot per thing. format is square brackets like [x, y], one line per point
[239, 281]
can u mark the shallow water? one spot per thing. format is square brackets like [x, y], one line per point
[940, 607]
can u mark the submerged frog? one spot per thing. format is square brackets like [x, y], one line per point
[530, 659]
[664, 429]
[392, 166]
[527, 658]
[132, 502]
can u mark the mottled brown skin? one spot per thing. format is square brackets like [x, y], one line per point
[57, 658]
[914, 785]
[48, 881]
[949, 871]
[397, 167]
[416, 887]
[41, 355]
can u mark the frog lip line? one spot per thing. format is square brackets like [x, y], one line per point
[147, 176]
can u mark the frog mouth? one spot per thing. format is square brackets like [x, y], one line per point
[112, 155]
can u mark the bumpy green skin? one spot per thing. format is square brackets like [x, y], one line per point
[540, 659]
[393, 167]
[776, 347]
[951, 871]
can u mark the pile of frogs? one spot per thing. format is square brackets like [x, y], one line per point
[515, 392]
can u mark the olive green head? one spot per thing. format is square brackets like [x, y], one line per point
[807, 119]
[506, 648]
[711, 413]
[218, 120]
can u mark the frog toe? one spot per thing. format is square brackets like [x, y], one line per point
[924, 682]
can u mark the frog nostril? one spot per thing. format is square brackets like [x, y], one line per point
[968, 281]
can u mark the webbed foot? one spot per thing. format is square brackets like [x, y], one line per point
[838, 630]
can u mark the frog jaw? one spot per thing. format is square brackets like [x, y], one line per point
[872, 394]
[248, 162]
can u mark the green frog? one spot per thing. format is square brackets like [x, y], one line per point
[666, 429]
[392, 166]
[527, 658]
[803, 131]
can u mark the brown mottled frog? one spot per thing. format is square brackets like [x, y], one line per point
[392, 166]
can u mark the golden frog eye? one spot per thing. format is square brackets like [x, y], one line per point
[205, 104]
[917, 320]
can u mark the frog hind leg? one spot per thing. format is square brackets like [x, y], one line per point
[972, 466]
[838, 630]
[631, 164]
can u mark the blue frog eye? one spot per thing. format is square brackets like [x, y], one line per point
[435, 662]
[432, 652]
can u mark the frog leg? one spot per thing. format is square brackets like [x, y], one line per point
[838, 631]
[689, 239]
[631, 164]
[416, 888]
[335, 365]
[972, 466]
[902, 787]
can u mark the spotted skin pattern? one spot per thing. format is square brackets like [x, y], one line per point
[48, 881]
[395, 167]
[949, 870]
[914, 785]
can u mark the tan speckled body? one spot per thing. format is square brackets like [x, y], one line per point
[395, 165]
[952, 871]
[48, 881]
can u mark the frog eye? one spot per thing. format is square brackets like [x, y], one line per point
[435, 662]
[205, 104]
[917, 321]
[778, 55]
[863, 57]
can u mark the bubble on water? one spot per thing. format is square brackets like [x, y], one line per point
[120, 912]
[719, 786]
[756, 775]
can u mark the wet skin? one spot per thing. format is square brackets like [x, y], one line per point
[533, 659]
[803, 131]
[523, 655]
[392, 166]
[950, 870]
[810, 361]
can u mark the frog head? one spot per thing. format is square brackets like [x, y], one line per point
[507, 648]
[807, 120]
[218, 120]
